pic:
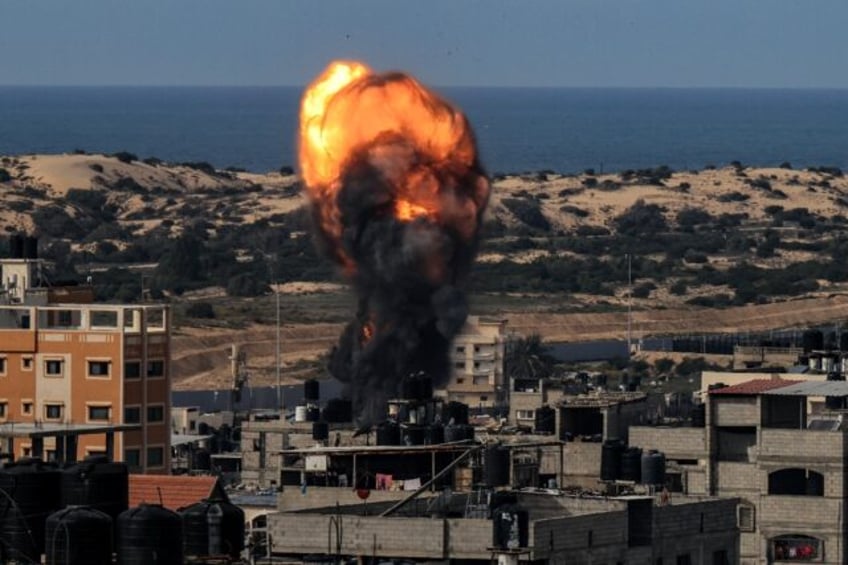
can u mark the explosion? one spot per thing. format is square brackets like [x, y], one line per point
[397, 195]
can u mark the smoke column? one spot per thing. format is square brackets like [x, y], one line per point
[397, 194]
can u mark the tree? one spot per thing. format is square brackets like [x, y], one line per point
[527, 359]
[641, 220]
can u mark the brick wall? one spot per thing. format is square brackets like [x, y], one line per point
[735, 411]
[802, 446]
[738, 479]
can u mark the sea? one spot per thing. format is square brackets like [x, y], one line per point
[565, 130]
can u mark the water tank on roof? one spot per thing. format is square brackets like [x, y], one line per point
[699, 415]
[545, 420]
[455, 413]
[313, 413]
[150, 535]
[843, 341]
[16, 246]
[412, 434]
[311, 390]
[30, 491]
[213, 528]
[457, 433]
[611, 460]
[653, 468]
[201, 459]
[75, 537]
[300, 413]
[496, 463]
[320, 431]
[30, 247]
[388, 433]
[812, 340]
[510, 527]
[631, 464]
[98, 483]
[435, 434]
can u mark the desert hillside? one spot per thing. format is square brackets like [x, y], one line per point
[721, 249]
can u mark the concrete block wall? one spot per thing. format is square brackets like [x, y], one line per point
[570, 536]
[735, 411]
[741, 479]
[582, 460]
[676, 443]
[468, 539]
[417, 538]
[801, 446]
[292, 498]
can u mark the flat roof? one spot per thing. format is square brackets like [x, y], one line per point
[411, 449]
[52, 429]
[183, 439]
[813, 388]
[601, 400]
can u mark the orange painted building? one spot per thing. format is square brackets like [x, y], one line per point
[89, 364]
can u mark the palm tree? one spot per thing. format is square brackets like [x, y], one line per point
[526, 358]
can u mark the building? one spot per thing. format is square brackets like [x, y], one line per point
[562, 529]
[88, 364]
[778, 446]
[477, 357]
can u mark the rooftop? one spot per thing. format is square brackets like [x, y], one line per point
[53, 429]
[813, 388]
[602, 399]
[753, 388]
[173, 491]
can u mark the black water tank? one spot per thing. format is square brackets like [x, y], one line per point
[213, 528]
[496, 461]
[843, 341]
[510, 527]
[653, 468]
[150, 535]
[545, 421]
[320, 431]
[98, 483]
[30, 247]
[459, 433]
[75, 537]
[412, 434]
[812, 340]
[611, 460]
[16, 246]
[455, 412]
[311, 390]
[435, 434]
[201, 459]
[631, 465]
[313, 413]
[338, 410]
[388, 433]
[699, 415]
[30, 490]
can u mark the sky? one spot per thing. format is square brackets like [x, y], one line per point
[584, 43]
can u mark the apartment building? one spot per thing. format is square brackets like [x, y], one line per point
[67, 365]
[477, 355]
[780, 447]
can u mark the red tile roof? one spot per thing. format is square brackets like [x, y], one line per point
[753, 387]
[177, 491]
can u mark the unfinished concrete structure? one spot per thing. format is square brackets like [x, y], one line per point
[778, 446]
[477, 357]
[562, 529]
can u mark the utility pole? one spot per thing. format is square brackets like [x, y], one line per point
[277, 356]
[629, 305]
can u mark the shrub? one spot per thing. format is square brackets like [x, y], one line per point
[692, 256]
[201, 166]
[286, 171]
[5, 176]
[125, 156]
[590, 182]
[200, 310]
[733, 197]
[528, 212]
[679, 288]
[579, 212]
[96, 167]
[643, 290]
[690, 217]
[786, 165]
[641, 220]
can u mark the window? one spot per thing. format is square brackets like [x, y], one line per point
[99, 413]
[525, 414]
[155, 368]
[132, 369]
[99, 368]
[2, 365]
[104, 318]
[4, 410]
[803, 482]
[797, 548]
[192, 425]
[155, 414]
[50, 455]
[26, 451]
[54, 367]
[720, 557]
[26, 407]
[132, 457]
[132, 415]
[459, 365]
[155, 456]
[745, 518]
[53, 411]
[460, 349]
[26, 363]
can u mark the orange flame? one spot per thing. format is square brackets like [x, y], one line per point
[419, 142]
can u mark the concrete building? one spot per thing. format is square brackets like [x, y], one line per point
[778, 446]
[477, 354]
[75, 364]
[562, 529]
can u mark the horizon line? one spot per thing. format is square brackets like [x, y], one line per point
[491, 87]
